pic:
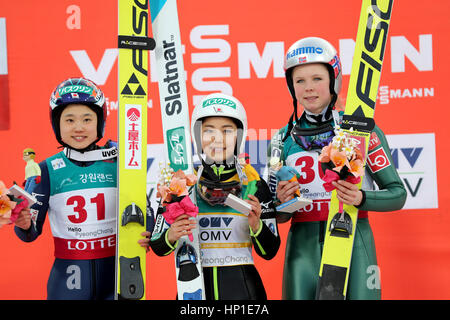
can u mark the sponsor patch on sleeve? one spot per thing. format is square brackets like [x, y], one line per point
[374, 141]
[378, 160]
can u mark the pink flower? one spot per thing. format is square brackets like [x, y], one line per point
[178, 186]
[339, 159]
[179, 181]
[325, 154]
[3, 189]
[356, 167]
[163, 192]
[6, 206]
[342, 153]
[191, 179]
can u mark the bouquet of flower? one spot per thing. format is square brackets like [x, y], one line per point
[10, 206]
[173, 190]
[341, 160]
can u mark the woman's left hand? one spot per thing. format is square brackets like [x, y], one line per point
[255, 214]
[348, 193]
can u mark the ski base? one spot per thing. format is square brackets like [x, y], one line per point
[332, 283]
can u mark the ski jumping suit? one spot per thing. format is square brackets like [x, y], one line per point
[80, 198]
[226, 246]
[306, 235]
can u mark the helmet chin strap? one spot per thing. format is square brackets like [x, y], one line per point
[323, 116]
[207, 166]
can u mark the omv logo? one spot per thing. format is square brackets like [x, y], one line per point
[414, 157]
[411, 155]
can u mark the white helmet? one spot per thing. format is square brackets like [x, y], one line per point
[219, 105]
[314, 50]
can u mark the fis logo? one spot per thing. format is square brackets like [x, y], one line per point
[370, 58]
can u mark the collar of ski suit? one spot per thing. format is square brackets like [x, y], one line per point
[92, 155]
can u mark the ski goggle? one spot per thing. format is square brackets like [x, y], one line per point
[217, 192]
[314, 138]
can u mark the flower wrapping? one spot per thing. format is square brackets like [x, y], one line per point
[341, 160]
[10, 206]
[173, 191]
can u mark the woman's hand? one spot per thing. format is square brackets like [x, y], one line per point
[145, 242]
[180, 227]
[255, 215]
[348, 193]
[286, 190]
[24, 219]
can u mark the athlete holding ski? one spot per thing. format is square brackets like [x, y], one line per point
[219, 128]
[78, 190]
[314, 76]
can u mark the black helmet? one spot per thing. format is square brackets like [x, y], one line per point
[77, 91]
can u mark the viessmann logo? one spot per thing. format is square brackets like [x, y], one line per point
[211, 68]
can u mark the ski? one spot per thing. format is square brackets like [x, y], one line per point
[133, 46]
[358, 123]
[177, 137]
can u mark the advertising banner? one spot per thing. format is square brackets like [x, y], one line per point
[238, 47]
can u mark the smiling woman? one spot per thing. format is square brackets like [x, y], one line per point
[228, 237]
[78, 125]
[219, 135]
[82, 212]
[312, 86]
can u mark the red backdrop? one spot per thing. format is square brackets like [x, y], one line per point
[238, 48]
